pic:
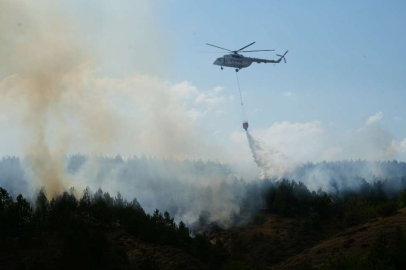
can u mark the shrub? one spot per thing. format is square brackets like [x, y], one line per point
[306, 264]
[18, 216]
[387, 209]
[290, 198]
[402, 199]
[357, 212]
[235, 265]
[383, 254]
[322, 204]
[315, 220]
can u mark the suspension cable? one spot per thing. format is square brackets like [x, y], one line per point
[242, 104]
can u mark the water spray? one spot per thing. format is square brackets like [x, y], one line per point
[272, 162]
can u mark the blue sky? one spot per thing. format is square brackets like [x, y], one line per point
[345, 60]
[342, 88]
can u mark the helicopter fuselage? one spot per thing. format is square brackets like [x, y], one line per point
[239, 61]
[233, 61]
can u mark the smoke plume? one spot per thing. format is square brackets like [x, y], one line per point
[39, 54]
[53, 89]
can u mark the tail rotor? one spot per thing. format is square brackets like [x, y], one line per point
[283, 56]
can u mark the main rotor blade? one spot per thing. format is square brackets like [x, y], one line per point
[245, 47]
[259, 51]
[218, 47]
[211, 52]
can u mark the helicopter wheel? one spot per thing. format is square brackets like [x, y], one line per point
[221, 68]
[236, 70]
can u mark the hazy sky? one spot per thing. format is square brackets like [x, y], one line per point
[340, 95]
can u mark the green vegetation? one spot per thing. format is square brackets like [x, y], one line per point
[80, 226]
[290, 199]
[235, 265]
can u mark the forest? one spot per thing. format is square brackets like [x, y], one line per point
[75, 229]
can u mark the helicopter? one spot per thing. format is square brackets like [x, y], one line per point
[238, 61]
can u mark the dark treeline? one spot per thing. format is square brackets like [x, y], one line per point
[79, 226]
[206, 193]
[350, 206]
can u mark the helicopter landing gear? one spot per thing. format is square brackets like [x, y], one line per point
[221, 68]
[236, 70]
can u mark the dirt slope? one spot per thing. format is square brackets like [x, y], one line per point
[273, 241]
[148, 256]
[358, 238]
[45, 251]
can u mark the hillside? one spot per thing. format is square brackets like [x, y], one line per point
[278, 243]
[273, 240]
[125, 252]
[141, 255]
[356, 239]
[294, 227]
